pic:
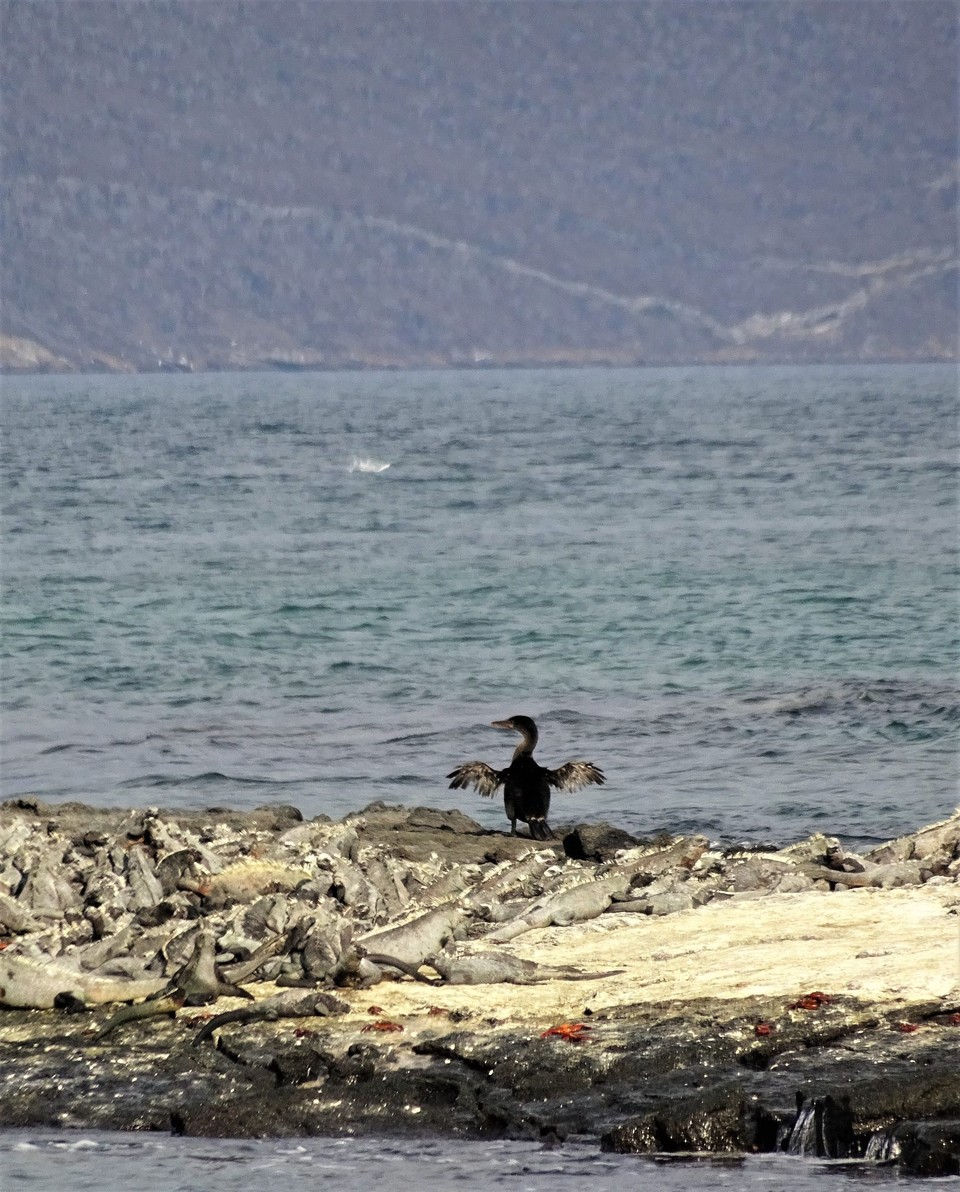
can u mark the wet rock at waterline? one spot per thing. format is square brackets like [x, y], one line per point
[406, 971]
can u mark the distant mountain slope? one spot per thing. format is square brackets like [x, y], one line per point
[237, 184]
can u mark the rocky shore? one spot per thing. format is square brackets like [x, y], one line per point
[406, 971]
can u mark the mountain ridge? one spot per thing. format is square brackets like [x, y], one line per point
[293, 185]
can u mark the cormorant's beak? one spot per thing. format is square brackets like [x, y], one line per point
[501, 724]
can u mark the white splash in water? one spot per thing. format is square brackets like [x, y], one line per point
[367, 464]
[803, 1137]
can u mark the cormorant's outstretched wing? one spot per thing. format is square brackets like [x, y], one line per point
[478, 774]
[571, 776]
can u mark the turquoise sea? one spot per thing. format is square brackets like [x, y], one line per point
[734, 589]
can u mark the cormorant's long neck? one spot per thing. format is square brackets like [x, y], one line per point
[528, 744]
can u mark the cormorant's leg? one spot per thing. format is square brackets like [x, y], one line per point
[513, 827]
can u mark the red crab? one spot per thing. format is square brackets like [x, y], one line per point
[812, 1001]
[762, 1029]
[573, 1032]
[382, 1024]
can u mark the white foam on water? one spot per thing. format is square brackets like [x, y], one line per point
[366, 463]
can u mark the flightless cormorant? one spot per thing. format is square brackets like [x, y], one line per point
[526, 784]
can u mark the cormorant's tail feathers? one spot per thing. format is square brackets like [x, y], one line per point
[539, 828]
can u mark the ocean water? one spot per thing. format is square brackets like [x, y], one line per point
[733, 589]
[106, 1162]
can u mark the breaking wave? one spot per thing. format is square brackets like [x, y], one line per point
[366, 463]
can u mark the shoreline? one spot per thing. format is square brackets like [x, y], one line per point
[806, 999]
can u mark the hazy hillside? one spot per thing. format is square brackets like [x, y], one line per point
[212, 183]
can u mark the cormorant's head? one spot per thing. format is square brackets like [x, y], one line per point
[520, 724]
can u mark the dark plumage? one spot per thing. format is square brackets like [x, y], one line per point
[526, 784]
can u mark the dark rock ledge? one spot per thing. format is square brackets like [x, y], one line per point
[803, 999]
